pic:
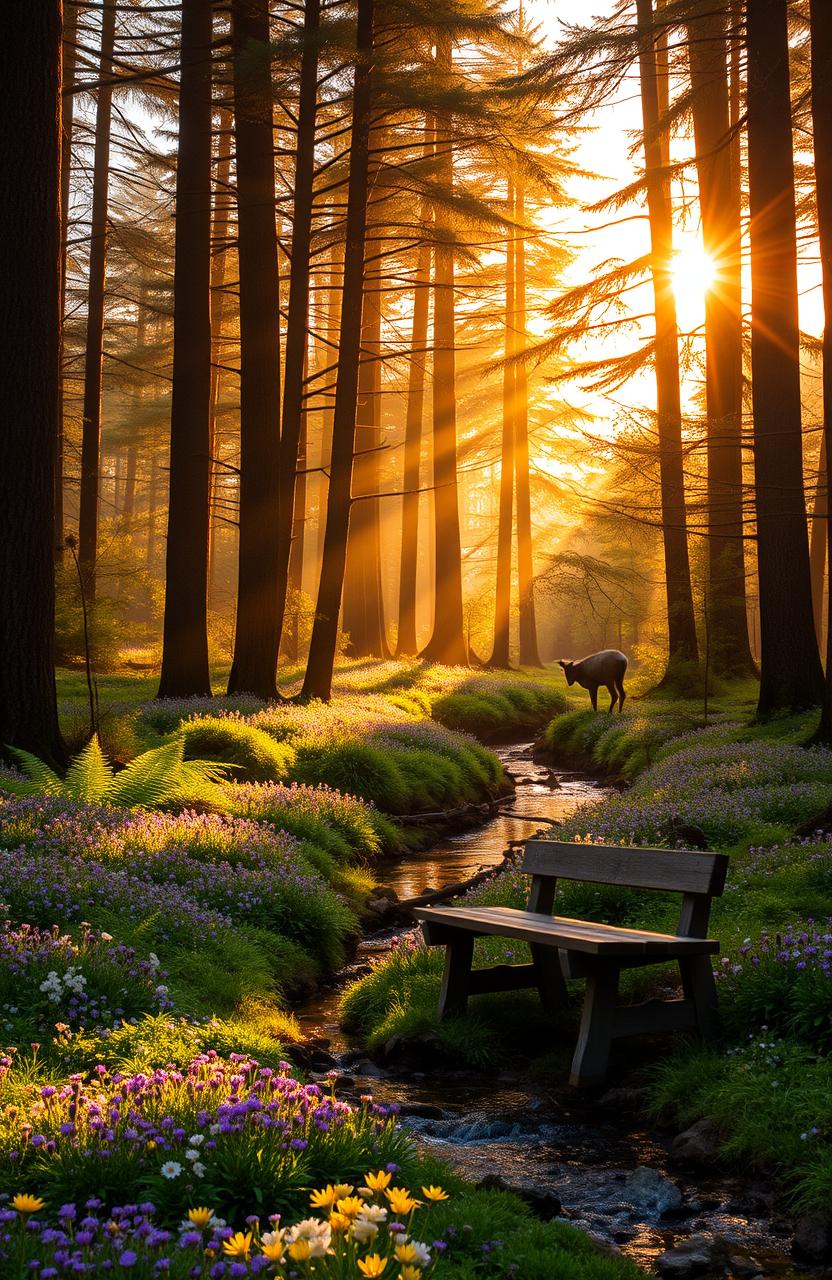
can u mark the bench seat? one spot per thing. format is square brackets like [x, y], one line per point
[561, 932]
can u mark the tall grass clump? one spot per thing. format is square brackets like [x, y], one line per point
[254, 754]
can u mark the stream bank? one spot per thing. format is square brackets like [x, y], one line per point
[595, 1162]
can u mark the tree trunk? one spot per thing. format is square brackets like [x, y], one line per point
[817, 545]
[363, 607]
[292, 486]
[70, 38]
[94, 354]
[681, 623]
[821, 31]
[500, 656]
[447, 643]
[721, 212]
[407, 644]
[529, 655]
[30, 342]
[336, 266]
[185, 670]
[791, 673]
[297, 553]
[324, 642]
[219, 257]
[257, 637]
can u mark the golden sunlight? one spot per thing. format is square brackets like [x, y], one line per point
[693, 275]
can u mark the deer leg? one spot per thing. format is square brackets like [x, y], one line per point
[593, 697]
[613, 697]
[621, 695]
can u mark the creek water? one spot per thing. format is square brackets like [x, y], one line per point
[610, 1174]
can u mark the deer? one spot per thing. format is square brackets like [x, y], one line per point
[604, 668]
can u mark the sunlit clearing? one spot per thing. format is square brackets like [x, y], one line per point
[693, 275]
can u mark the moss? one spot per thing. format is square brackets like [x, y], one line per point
[230, 740]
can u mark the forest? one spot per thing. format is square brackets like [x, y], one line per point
[368, 365]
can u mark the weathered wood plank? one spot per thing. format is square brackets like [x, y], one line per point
[652, 1017]
[595, 1035]
[681, 871]
[453, 997]
[502, 977]
[558, 931]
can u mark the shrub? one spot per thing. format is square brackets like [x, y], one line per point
[357, 768]
[231, 740]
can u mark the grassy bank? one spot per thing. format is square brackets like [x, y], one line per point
[740, 787]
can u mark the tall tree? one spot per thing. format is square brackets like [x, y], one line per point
[505, 521]
[324, 642]
[30, 341]
[297, 324]
[821, 33]
[681, 623]
[257, 634]
[406, 642]
[817, 544]
[720, 203]
[447, 643]
[791, 673]
[185, 669]
[94, 353]
[221, 223]
[529, 654]
[69, 50]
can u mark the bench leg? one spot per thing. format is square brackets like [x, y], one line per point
[459, 954]
[595, 1036]
[549, 978]
[700, 987]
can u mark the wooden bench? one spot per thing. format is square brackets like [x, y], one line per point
[563, 948]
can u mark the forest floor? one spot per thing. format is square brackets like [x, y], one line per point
[762, 1098]
[138, 939]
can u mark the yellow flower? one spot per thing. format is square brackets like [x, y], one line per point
[410, 1273]
[150, 1144]
[27, 1204]
[340, 1222]
[378, 1181]
[351, 1206]
[401, 1201]
[239, 1246]
[407, 1252]
[372, 1266]
[200, 1217]
[342, 1189]
[434, 1193]
[300, 1250]
[274, 1251]
[323, 1199]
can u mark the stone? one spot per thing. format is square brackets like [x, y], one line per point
[422, 1110]
[626, 1098]
[699, 1145]
[813, 1238]
[744, 1267]
[696, 1256]
[384, 891]
[419, 1050]
[651, 1192]
[543, 1203]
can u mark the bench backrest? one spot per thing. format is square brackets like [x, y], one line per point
[698, 876]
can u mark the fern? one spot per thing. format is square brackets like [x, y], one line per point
[155, 778]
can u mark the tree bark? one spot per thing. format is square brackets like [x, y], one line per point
[69, 41]
[257, 635]
[318, 680]
[681, 623]
[500, 654]
[720, 204]
[817, 546]
[185, 670]
[219, 257]
[30, 343]
[791, 674]
[821, 33]
[292, 486]
[447, 643]
[94, 354]
[363, 606]
[529, 655]
[407, 644]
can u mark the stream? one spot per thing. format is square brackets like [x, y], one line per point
[594, 1162]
